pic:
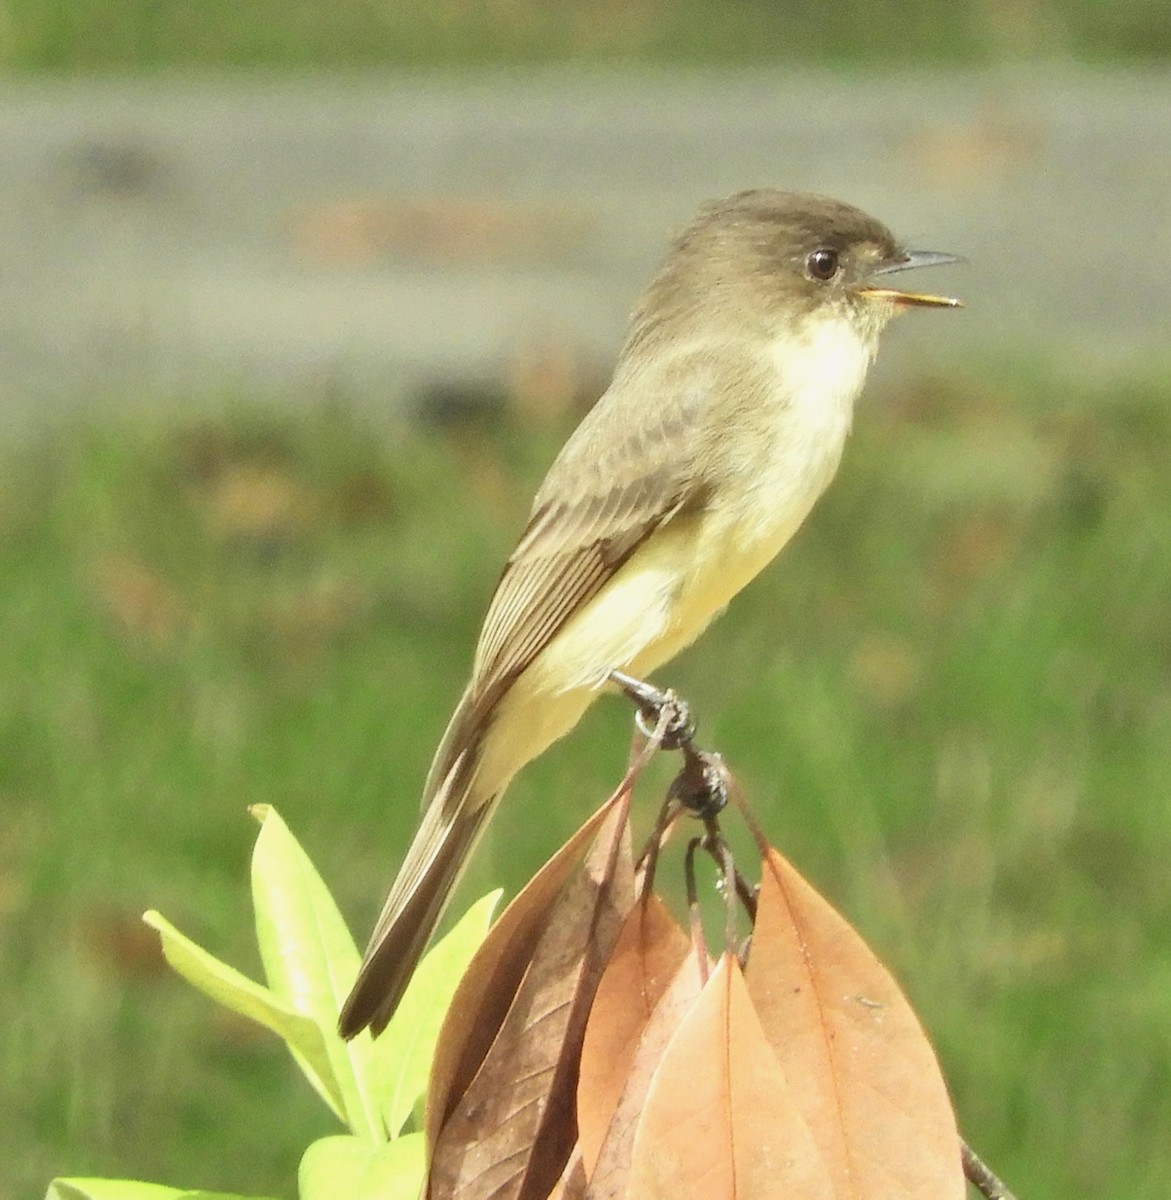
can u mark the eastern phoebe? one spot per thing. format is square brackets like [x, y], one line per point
[725, 421]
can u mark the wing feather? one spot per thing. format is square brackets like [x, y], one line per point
[597, 505]
[542, 588]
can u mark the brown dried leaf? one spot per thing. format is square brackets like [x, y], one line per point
[489, 984]
[721, 1120]
[572, 1184]
[611, 1172]
[862, 1070]
[649, 951]
[512, 1133]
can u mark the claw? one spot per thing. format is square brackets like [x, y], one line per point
[652, 704]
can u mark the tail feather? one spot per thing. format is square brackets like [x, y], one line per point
[488, 739]
[449, 831]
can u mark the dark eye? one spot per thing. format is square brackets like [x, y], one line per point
[822, 264]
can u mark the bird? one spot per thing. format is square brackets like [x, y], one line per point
[726, 418]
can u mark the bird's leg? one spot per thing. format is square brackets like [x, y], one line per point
[702, 785]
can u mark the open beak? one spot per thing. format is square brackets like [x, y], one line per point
[910, 260]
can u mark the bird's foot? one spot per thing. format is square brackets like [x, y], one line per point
[702, 786]
[659, 711]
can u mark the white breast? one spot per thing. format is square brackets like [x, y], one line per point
[820, 370]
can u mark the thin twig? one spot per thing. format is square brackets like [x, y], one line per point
[648, 861]
[981, 1176]
[748, 893]
[695, 918]
[722, 853]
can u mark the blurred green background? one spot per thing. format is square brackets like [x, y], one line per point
[950, 703]
[103, 35]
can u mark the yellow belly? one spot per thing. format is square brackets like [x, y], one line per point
[657, 604]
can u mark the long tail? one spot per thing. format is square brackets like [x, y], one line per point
[487, 741]
[453, 818]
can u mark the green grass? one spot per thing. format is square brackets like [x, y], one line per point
[135, 35]
[950, 704]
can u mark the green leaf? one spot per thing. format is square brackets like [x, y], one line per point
[310, 958]
[308, 954]
[237, 992]
[404, 1052]
[127, 1189]
[351, 1168]
[109, 1189]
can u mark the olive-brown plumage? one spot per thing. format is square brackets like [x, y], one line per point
[725, 420]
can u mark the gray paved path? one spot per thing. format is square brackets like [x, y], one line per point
[172, 238]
